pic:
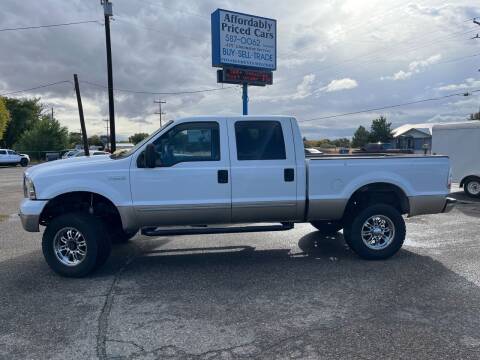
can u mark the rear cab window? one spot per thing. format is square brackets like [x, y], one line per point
[259, 140]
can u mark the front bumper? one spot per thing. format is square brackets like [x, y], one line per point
[449, 204]
[30, 211]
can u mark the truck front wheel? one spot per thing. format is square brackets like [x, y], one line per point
[23, 162]
[376, 232]
[75, 244]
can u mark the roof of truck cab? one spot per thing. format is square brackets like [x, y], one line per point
[230, 117]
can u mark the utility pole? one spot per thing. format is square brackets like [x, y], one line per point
[160, 113]
[106, 126]
[108, 12]
[80, 112]
[52, 113]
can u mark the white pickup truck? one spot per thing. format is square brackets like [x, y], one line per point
[199, 171]
[11, 157]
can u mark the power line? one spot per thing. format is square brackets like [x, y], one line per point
[390, 106]
[50, 25]
[157, 93]
[36, 87]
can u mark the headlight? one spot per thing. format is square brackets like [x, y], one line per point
[29, 188]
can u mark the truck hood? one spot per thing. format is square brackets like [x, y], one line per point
[68, 165]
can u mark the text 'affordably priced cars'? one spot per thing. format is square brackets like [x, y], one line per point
[224, 170]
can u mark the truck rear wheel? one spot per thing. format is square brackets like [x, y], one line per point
[472, 187]
[376, 232]
[75, 244]
[327, 227]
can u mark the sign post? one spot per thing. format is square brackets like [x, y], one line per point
[245, 47]
[245, 98]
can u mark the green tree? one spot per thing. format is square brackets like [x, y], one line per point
[46, 135]
[342, 142]
[361, 137]
[94, 140]
[74, 138]
[24, 113]
[4, 117]
[136, 138]
[381, 130]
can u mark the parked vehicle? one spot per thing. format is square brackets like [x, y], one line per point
[461, 142]
[92, 153]
[312, 151]
[224, 170]
[70, 153]
[380, 147]
[11, 157]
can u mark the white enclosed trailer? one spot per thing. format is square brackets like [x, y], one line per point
[461, 142]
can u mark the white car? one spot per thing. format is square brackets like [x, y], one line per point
[226, 170]
[69, 154]
[92, 152]
[11, 157]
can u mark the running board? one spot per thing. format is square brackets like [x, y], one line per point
[159, 231]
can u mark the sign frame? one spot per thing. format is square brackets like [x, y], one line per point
[216, 48]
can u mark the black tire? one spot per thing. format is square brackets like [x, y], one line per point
[23, 162]
[327, 227]
[353, 233]
[471, 187]
[97, 243]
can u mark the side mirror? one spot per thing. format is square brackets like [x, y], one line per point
[150, 156]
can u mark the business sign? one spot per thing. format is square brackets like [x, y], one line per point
[241, 76]
[243, 40]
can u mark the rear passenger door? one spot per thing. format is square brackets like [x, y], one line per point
[263, 170]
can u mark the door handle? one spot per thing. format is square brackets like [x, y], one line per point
[289, 175]
[222, 176]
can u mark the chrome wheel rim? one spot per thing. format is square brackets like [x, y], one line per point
[473, 187]
[378, 232]
[70, 246]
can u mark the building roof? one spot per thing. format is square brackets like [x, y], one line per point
[423, 128]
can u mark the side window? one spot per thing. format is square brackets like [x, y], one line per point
[3, 152]
[187, 142]
[259, 140]
[10, 152]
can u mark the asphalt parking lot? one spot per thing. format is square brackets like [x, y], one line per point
[277, 295]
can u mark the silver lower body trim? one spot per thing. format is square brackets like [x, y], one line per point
[426, 204]
[186, 214]
[326, 209]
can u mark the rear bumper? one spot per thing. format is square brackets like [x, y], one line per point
[30, 211]
[449, 204]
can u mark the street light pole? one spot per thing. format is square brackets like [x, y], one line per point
[108, 12]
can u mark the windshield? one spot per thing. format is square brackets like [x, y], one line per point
[120, 154]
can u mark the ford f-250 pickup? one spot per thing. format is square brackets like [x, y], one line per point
[226, 170]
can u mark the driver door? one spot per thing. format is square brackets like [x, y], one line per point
[190, 184]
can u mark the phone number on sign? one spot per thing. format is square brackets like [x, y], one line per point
[242, 40]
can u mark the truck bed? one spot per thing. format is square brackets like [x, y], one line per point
[333, 179]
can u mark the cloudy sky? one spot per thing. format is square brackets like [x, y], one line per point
[333, 57]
